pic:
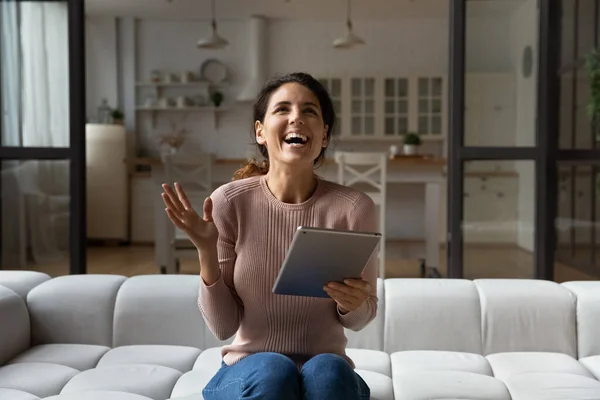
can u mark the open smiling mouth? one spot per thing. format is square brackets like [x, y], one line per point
[295, 139]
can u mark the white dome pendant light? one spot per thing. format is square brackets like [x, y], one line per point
[214, 41]
[350, 39]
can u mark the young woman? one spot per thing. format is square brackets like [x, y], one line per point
[286, 347]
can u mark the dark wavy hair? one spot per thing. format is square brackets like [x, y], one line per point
[253, 167]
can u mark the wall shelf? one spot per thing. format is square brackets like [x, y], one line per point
[215, 111]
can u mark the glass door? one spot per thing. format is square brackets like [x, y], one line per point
[500, 177]
[42, 136]
[577, 219]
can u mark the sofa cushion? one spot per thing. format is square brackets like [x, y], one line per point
[40, 379]
[592, 364]
[153, 381]
[527, 315]
[588, 316]
[544, 386]
[161, 309]
[371, 360]
[427, 360]
[177, 357]
[99, 395]
[426, 385]
[11, 394]
[209, 358]
[416, 319]
[381, 385]
[77, 356]
[74, 309]
[371, 336]
[191, 383]
[14, 330]
[506, 365]
[21, 282]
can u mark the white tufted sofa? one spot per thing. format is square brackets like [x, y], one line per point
[105, 337]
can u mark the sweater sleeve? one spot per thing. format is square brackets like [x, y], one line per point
[219, 303]
[364, 218]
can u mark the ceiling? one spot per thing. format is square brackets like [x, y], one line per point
[322, 10]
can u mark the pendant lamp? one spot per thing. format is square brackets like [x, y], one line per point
[349, 40]
[214, 41]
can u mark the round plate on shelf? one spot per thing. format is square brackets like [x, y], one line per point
[214, 71]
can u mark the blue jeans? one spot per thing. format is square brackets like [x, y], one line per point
[267, 376]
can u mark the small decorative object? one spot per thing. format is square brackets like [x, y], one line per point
[412, 141]
[172, 141]
[117, 116]
[103, 112]
[214, 71]
[155, 76]
[217, 98]
[186, 77]
[199, 101]
[394, 150]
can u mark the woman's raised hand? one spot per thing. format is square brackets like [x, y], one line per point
[201, 231]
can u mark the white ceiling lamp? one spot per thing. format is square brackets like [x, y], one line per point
[214, 41]
[349, 40]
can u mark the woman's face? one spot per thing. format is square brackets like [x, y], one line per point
[293, 129]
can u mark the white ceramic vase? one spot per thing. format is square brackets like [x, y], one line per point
[410, 149]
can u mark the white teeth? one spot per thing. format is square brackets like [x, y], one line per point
[296, 135]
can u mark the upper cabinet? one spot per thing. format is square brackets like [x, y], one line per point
[387, 107]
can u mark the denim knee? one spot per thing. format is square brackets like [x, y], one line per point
[273, 376]
[330, 364]
[331, 376]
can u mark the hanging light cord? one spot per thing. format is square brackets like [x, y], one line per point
[214, 20]
[348, 14]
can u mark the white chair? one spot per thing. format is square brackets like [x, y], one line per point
[193, 171]
[370, 169]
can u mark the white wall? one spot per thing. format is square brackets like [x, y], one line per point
[524, 33]
[101, 63]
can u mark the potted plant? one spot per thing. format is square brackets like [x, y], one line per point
[412, 141]
[117, 116]
[217, 98]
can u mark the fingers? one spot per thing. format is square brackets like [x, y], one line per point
[359, 284]
[174, 198]
[176, 221]
[207, 209]
[340, 295]
[182, 196]
[170, 205]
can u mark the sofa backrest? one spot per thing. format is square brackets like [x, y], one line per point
[527, 315]
[21, 282]
[432, 314]
[159, 309]
[74, 309]
[588, 316]
[483, 316]
[14, 324]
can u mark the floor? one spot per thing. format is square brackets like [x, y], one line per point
[480, 261]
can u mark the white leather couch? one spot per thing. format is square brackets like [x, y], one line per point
[101, 337]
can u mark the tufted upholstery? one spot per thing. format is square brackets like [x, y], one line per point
[100, 337]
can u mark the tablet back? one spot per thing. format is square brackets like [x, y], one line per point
[318, 256]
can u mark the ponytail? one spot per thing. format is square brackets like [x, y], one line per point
[251, 168]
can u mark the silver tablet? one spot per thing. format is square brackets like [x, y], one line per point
[318, 256]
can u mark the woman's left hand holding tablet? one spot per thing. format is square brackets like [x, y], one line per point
[349, 295]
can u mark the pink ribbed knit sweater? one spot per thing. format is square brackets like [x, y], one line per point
[255, 232]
